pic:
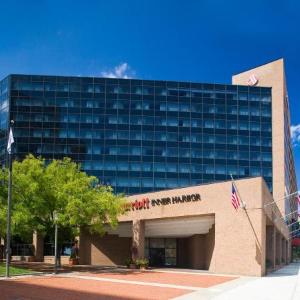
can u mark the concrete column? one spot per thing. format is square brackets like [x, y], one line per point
[283, 252]
[278, 249]
[274, 246]
[289, 247]
[286, 243]
[138, 239]
[269, 247]
[38, 246]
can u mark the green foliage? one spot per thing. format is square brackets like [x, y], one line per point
[129, 261]
[142, 262]
[45, 193]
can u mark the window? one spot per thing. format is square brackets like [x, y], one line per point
[172, 106]
[243, 97]
[243, 126]
[243, 111]
[254, 126]
[209, 169]
[208, 124]
[267, 157]
[255, 172]
[135, 166]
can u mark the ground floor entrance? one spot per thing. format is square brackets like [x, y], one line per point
[196, 228]
[184, 242]
[161, 252]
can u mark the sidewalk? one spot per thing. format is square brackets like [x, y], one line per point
[283, 284]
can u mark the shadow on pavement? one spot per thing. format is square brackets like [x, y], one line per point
[289, 270]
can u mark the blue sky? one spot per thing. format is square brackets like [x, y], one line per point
[203, 40]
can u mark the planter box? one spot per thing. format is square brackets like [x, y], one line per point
[132, 266]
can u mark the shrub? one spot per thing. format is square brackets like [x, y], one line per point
[142, 262]
[129, 261]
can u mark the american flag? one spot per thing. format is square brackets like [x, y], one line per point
[235, 201]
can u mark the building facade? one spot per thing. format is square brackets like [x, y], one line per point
[141, 136]
[172, 147]
[197, 227]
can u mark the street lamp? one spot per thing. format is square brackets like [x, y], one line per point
[55, 216]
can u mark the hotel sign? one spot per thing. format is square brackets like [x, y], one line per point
[146, 203]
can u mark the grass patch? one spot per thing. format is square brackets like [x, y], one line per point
[13, 271]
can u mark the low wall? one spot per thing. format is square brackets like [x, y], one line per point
[50, 260]
[23, 258]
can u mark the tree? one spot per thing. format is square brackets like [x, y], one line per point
[42, 190]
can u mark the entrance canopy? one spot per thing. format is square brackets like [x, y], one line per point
[169, 227]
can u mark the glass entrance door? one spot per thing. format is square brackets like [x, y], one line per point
[161, 251]
[157, 257]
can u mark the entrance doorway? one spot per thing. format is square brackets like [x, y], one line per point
[157, 257]
[161, 251]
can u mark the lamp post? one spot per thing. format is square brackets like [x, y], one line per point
[55, 243]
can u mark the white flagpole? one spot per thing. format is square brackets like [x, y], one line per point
[292, 223]
[8, 238]
[286, 215]
[293, 236]
[294, 231]
[243, 204]
[281, 199]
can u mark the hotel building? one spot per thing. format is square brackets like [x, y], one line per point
[158, 141]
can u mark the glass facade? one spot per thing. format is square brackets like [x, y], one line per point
[139, 135]
[4, 113]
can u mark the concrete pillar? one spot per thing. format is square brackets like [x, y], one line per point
[283, 251]
[269, 248]
[286, 243]
[38, 246]
[274, 246]
[289, 246]
[138, 239]
[278, 249]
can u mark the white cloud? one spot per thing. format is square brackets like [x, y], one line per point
[295, 134]
[123, 70]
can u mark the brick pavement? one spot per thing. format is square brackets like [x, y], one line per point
[91, 283]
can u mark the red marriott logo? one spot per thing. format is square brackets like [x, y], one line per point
[141, 204]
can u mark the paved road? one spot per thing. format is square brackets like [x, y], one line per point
[283, 284]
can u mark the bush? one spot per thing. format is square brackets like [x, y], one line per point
[128, 262]
[142, 262]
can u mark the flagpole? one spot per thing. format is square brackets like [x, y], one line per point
[8, 237]
[292, 224]
[287, 196]
[293, 212]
